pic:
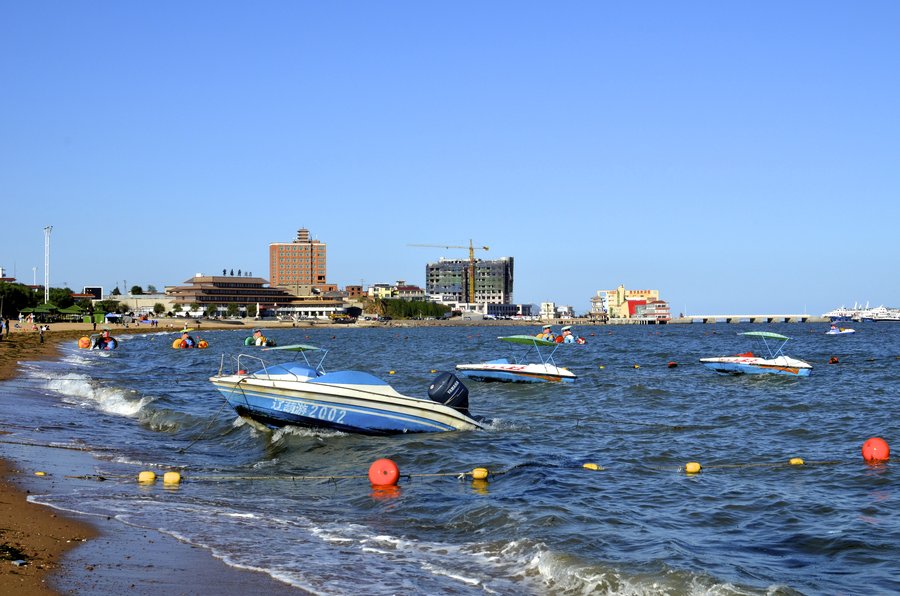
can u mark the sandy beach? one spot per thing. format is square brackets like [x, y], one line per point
[36, 543]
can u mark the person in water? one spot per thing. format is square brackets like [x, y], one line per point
[259, 338]
[102, 340]
[546, 334]
[187, 341]
[567, 336]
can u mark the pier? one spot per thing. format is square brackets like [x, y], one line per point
[790, 318]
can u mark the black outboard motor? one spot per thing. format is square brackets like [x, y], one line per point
[448, 390]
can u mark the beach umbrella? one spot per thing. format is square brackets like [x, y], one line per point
[45, 308]
[71, 310]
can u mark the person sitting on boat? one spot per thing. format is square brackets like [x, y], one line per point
[546, 334]
[187, 341]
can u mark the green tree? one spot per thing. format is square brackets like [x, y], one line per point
[136, 290]
[177, 309]
[195, 306]
[61, 297]
[107, 305]
[158, 308]
[232, 309]
[151, 289]
[251, 310]
[212, 310]
[15, 297]
[115, 292]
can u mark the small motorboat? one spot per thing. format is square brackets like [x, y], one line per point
[519, 370]
[749, 363]
[839, 331]
[303, 394]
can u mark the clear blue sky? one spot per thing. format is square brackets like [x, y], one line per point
[739, 157]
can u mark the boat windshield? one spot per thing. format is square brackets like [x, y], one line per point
[299, 366]
[773, 342]
[534, 344]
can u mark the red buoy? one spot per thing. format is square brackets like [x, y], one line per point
[833, 360]
[672, 364]
[384, 472]
[875, 450]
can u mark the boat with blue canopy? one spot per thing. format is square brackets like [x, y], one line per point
[749, 363]
[519, 369]
[304, 394]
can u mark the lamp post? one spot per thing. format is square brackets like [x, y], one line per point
[47, 231]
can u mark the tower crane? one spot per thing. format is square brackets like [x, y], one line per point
[472, 248]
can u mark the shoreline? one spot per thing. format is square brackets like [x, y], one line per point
[45, 551]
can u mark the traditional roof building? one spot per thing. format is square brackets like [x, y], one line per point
[221, 290]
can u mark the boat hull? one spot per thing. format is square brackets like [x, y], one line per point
[516, 373]
[737, 365]
[361, 409]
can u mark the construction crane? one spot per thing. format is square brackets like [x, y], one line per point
[472, 249]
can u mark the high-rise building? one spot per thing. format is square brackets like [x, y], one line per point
[448, 280]
[299, 266]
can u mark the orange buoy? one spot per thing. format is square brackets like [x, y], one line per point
[84, 343]
[384, 472]
[672, 364]
[875, 450]
[833, 360]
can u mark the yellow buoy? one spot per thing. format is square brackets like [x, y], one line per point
[637, 366]
[796, 461]
[433, 371]
[601, 367]
[40, 473]
[692, 467]
[390, 372]
[591, 466]
[171, 478]
[480, 473]
[147, 477]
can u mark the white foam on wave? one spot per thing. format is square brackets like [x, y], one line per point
[299, 431]
[82, 390]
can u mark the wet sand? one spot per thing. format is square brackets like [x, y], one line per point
[38, 553]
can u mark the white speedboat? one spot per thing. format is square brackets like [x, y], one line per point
[300, 394]
[519, 370]
[749, 363]
[840, 331]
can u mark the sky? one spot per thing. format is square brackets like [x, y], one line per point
[738, 157]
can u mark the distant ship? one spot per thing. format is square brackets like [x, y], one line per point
[880, 314]
[859, 313]
[842, 314]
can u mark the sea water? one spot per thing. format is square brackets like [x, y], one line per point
[297, 505]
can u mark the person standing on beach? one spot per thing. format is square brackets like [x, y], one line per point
[42, 333]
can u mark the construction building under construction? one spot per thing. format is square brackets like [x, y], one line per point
[450, 280]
